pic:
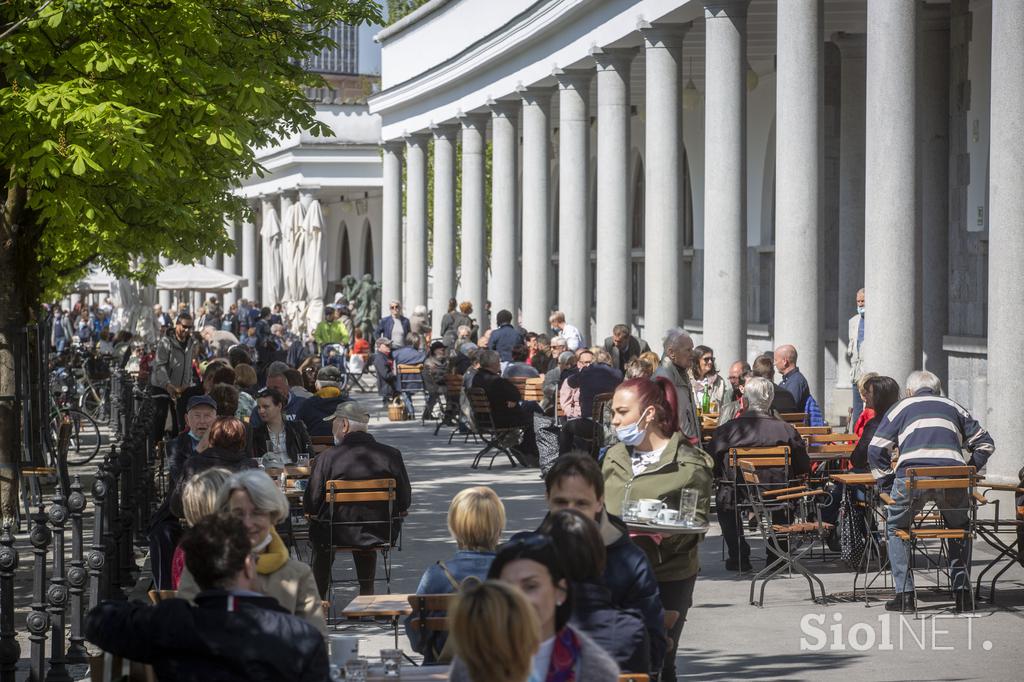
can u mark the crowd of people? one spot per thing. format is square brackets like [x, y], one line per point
[579, 597]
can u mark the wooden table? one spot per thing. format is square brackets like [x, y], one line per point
[854, 479]
[390, 606]
[414, 674]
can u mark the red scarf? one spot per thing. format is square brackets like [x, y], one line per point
[564, 657]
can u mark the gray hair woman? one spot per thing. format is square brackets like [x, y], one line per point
[254, 498]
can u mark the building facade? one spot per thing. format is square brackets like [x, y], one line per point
[341, 172]
[736, 167]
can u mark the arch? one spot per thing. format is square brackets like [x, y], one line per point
[346, 251]
[367, 248]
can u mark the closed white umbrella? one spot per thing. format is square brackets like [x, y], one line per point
[315, 266]
[198, 278]
[273, 287]
[294, 264]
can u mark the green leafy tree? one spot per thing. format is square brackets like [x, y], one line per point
[399, 8]
[125, 127]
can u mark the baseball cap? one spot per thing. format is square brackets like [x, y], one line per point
[198, 400]
[329, 373]
[352, 411]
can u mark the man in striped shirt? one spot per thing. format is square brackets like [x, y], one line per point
[928, 430]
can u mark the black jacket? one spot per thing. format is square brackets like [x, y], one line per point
[503, 397]
[387, 380]
[859, 456]
[177, 451]
[359, 457]
[620, 632]
[592, 382]
[620, 358]
[296, 439]
[313, 412]
[223, 637]
[756, 430]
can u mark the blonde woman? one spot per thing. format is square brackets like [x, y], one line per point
[476, 518]
[254, 498]
[198, 499]
[496, 633]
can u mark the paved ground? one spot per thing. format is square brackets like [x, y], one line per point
[726, 638]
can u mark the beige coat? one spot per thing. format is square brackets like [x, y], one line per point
[292, 586]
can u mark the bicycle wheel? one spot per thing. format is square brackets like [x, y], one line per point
[85, 436]
[93, 404]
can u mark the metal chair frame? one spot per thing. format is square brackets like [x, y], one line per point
[494, 437]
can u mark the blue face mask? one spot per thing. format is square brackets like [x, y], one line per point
[194, 436]
[631, 435]
[860, 310]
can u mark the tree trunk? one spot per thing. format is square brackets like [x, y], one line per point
[12, 319]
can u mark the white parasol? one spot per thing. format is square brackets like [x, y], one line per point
[315, 266]
[292, 240]
[272, 245]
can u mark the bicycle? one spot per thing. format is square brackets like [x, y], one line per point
[85, 438]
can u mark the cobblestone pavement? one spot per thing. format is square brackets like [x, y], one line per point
[725, 638]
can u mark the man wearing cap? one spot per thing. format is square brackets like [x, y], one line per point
[323, 403]
[384, 366]
[356, 456]
[164, 527]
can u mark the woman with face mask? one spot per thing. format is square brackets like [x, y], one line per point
[653, 460]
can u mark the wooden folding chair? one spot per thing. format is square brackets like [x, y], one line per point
[932, 526]
[813, 430]
[774, 456]
[321, 443]
[410, 382]
[799, 535]
[497, 438]
[533, 390]
[157, 596]
[452, 399]
[794, 417]
[634, 677]
[380, 491]
[430, 615]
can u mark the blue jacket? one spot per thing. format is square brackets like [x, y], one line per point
[503, 339]
[795, 384]
[465, 564]
[929, 430]
[387, 325]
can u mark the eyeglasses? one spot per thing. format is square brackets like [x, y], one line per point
[186, 327]
[708, 359]
[395, 307]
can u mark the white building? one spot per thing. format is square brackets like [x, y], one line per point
[342, 172]
[740, 167]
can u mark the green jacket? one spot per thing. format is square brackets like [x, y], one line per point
[681, 466]
[331, 332]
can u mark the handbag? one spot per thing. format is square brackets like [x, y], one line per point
[396, 410]
[852, 541]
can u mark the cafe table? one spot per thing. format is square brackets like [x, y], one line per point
[414, 674]
[989, 530]
[390, 606]
[638, 526]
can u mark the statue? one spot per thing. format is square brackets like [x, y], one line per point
[366, 304]
[349, 288]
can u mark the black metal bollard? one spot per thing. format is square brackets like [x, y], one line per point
[57, 594]
[38, 621]
[111, 573]
[10, 650]
[77, 575]
[97, 552]
[126, 521]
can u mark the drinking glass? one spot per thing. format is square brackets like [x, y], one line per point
[630, 507]
[355, 669]
[392, 660]
[303, 459]
[688, 506]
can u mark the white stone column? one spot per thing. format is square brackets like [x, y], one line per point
[285, 201]
[504, 251]
[231, 261]
[165, 295]
[663, 51]
[933, 146]
[416, 222]
[613, 214]
[474, 237]
[1006, 238]
[725, 175]
[851, 191]
[250, 244]
[391, 230]
[891, 324]
[536, 207]
[445, 139]
[799, 182]
[573, 197]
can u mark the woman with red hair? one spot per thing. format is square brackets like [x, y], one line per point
[653, 460]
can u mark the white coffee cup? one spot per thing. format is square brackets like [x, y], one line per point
[343, 648]
[667, 515]
[649, 509]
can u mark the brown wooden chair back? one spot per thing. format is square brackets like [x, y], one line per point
[940, 478]
[157, 596]
[321, 443]
[520, 384]
[775, 456]
[634, 677]
[826, 438]
[425, 609]
[534, 389]
[831, 448]
[794, 417]
[601, 401]
[371, 490]
[813, 430]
